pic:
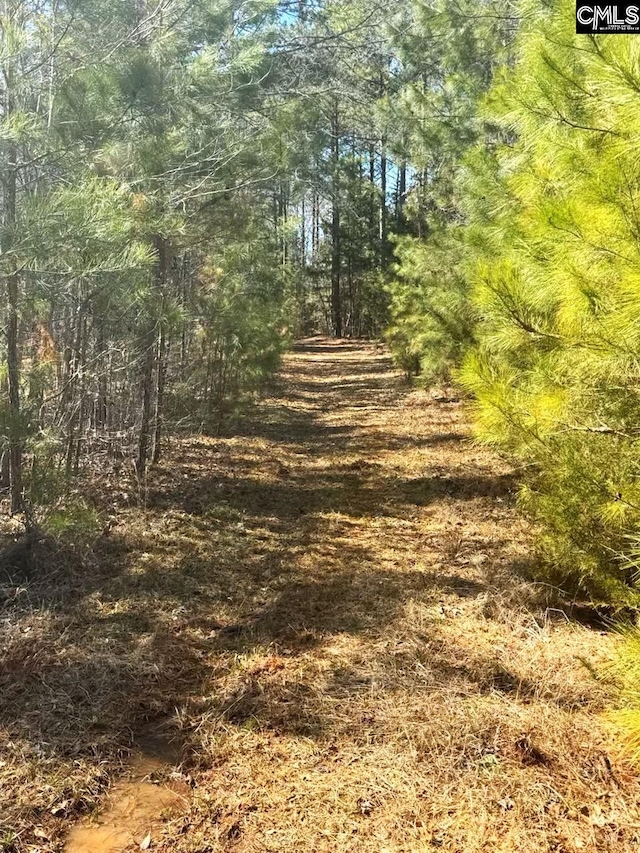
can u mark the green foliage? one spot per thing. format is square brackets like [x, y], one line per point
[432, 323]
[46, 481]
[449, 55]
[554, 227]
[624, 671]
[241, 308]
[76, 522]
[144, 151]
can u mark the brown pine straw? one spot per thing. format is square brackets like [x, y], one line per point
[328, 610]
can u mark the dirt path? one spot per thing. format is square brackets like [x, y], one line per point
[329, 609]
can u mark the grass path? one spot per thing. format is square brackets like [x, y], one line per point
[327, 612]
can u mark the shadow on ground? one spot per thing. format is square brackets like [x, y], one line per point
[293, 533]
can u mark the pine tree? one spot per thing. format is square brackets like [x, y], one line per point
[447, 58]
[135, 154]
[555, 372]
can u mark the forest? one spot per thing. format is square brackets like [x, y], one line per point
[319, 444]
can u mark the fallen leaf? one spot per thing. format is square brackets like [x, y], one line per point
[60, 808]
[145, 844]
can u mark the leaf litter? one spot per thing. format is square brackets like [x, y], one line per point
[328, 611]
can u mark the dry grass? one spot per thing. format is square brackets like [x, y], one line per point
[330, 609]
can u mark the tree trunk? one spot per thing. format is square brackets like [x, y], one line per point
[383, 202]
[183, 272]
[5, 476]
[73, 400]
[13, 381]
[150, 345]
[401, 195]
[303, 233]
[283, 211]
[159, 415]
[145, 422]
[13, 296]
[100, 418]
[315, 225]
[336, 260]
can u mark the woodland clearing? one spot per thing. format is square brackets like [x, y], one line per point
[326, 615]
